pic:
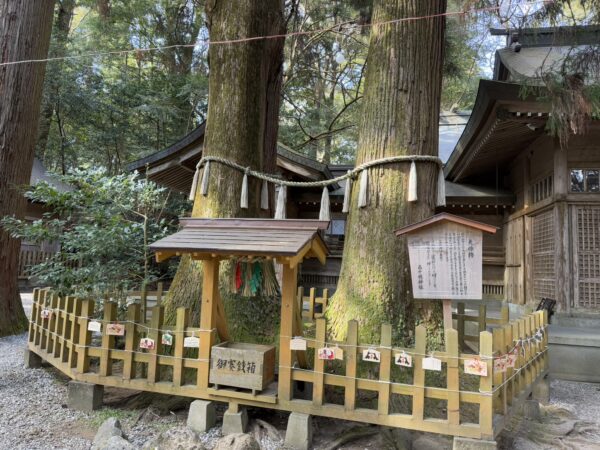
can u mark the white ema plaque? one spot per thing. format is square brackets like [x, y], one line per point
[445, 262]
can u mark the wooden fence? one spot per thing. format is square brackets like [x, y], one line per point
[312, 307]
[31, 257]
[446, 401]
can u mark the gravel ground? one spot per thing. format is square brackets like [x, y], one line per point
[32, 410]
[33, 414]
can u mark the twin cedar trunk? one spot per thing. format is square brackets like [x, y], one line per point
[400, 117]
[25, 28]
[243, 105]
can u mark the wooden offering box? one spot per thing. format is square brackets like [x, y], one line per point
[247, 366]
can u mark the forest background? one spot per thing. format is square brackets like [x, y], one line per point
[113, 107]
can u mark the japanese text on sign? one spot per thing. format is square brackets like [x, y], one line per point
[446, 262]
[236, 365]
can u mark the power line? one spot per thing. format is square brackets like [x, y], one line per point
[254, 38]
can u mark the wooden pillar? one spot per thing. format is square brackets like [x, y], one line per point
[562, 267]
[288, 297]
[208, 318]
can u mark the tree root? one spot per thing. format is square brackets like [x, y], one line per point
[351, 435]
[260, 427]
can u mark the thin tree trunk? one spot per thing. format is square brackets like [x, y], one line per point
[51, 96]
[400, 117]
[241, 126]
[25, 28]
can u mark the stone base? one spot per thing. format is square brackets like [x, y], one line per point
[541, 391]
[202, 416]
[461, 443]
[85, 396]
[531, 409]
[234, 421]
[32, 360]
[299, 432]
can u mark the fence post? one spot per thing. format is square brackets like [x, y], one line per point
[482, 319]
[311, 304]
[32, 321]
[144, 302]
[75, 327]
[44, 323]
[300, 296]
[52, 336]
[460, 325]
[453, 380]
[419, 374]
[486, 386]
[43, 330]
[155, 324]
[528, 368]
[385, 368]
[85, 337]
[183, 318]
[159, 293]
[133, 317]
[66, 328]
[498, 349]
[59, 327]
[508, 387]
[324, 300]
[108, 341]
[545, 339]
[516, 337]
[504, 315]
[319, 364]
[351, 343]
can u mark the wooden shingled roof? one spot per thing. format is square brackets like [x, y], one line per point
[289, 241]
[445, 217]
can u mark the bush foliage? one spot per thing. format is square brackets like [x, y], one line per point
[103, 225]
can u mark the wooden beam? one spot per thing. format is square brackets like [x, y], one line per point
[163, 256]
[319, 250]
[288, 303]
[208, 318]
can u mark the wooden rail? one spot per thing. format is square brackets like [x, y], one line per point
[33, 257]
[28, 258]
[349, 388]
[312, 307]
[480, 322]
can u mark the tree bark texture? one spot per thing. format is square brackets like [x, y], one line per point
[400, 117]
[25, 27]
[244, 85]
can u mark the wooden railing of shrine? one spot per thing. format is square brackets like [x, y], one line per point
[351, 388]
[31, 257]
[312, 306]
[480, 320]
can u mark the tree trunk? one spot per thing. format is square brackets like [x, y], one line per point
[62, 25]
[400, 117]
[243, 101]
[24, 34]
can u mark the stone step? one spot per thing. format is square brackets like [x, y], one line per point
[591, 321]
[574, 353]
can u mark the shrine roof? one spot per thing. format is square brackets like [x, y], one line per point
[445, 217]
[288, 240]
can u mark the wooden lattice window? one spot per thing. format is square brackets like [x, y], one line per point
[541, 189]
[588, 257]
[544, 279]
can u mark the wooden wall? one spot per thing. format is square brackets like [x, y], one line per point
[541, 237]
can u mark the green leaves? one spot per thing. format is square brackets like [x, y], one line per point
[104, 225]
